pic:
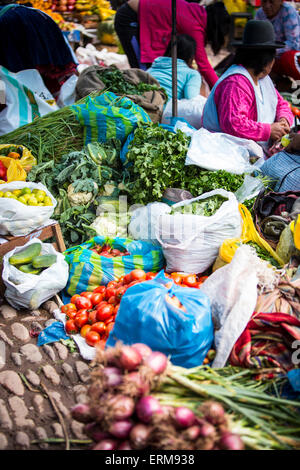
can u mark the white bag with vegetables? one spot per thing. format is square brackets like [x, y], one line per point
[192, 231]
[33, 273]
[29, 206]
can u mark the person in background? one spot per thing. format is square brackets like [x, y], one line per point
[144, 29]
[244, 102]
[286, 23]
[30, 39]
[188, 79]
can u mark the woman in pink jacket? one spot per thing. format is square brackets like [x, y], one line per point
[144, 29]
[244, 102]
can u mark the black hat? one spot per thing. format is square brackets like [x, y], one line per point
[258, 34]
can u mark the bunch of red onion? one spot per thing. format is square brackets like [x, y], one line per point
[123, 415]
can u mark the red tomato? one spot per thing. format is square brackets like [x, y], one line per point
[109, 327]
[92, 338]
[110, 292]
[177, 278]
[113, 300]
[81, 319]
[105, 248]
[150, 276]
[104, 312]
[116, 309]
[83, 302]
[92, 318]
[100, 290]
[73, 298]
[85, 329]
[68, 308]
[120, 292]
[100, 327]
[96, 298]
[87, 295]
[112, 283]
[137, 275]
[190, 280]
[71, 328]
[127, 279]
[133, 283]
[71, 314]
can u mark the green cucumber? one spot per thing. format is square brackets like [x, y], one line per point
[44, 261]
[28, 269]
[26, 255]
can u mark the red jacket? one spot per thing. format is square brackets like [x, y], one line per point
[155, 21]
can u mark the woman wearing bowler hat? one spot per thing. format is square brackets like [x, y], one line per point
[244, 102]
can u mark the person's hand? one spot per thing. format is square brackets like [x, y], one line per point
[294, 145]
[277, 130]
[286, 125]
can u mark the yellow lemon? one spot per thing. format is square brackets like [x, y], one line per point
[40, 197]
[32, 201]
[9, 194]
[26, 191]
[1, 193]
[35, 190]
[27, 197]
[22, 199]
[47, 201]
[17, 192]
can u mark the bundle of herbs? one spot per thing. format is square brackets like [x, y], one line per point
[157, 158]
[115, 81]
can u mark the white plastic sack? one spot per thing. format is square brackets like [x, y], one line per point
[250, 188]
[66, 95]
[219, 151]
[31, 290]
[232, 291]
[190, 242]
[89, 55]
[143, 220]
[191, 110]
[26, 99]
[18, 219]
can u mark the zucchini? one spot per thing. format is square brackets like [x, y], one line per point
[28, 269]
[44, 261]
[26, 255]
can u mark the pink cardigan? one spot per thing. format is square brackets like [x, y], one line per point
[155, 21]
[236, 107]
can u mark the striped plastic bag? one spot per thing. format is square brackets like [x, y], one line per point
[88, 270]
[109, 116]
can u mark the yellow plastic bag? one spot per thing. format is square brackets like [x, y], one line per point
[295, 228]
[15, 171]
[27, 161]
[249, 234]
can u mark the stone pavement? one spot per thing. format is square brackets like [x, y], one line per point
[38, 385]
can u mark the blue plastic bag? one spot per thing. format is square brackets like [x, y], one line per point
[146, 317]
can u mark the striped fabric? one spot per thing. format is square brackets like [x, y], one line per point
[285, 169]
[87, 270]
[108, 116]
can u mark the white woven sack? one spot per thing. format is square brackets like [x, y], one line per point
[190, 242]
[18, 219]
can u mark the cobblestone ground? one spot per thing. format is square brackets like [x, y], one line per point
[38, 385]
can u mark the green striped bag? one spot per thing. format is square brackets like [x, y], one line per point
[88, 270]
[109, 116]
